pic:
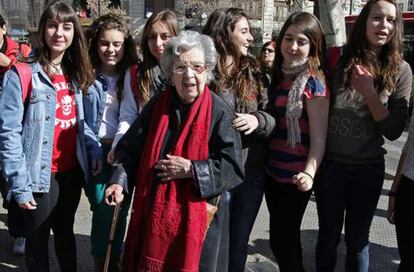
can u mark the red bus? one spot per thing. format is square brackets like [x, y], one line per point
[408, 19]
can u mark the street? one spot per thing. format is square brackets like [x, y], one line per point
[383, 252]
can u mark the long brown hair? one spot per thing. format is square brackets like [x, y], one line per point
[386, 66]
[219, 27]
[310, 26]
[75, 60]
[169, 20]
[105, 22]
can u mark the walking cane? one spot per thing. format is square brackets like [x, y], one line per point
[111, 236]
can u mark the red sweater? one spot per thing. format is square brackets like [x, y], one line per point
[12, 52]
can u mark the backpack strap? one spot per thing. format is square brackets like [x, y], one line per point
[25, 75]
[334, 54]
[133, 72]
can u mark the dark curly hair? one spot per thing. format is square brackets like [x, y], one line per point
[105, 22]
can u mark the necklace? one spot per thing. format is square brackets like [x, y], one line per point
[56, 68]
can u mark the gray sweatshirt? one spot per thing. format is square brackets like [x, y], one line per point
[354, 137]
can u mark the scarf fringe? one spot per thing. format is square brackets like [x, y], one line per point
[293, 132]
[149, 265]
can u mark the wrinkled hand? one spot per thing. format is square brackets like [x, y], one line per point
[114, 195]
[31, 205]
[362, 81]
[390, 211]
[110, 157]
[303, 181]
[245, 122]
[174, 167]
[96, 167]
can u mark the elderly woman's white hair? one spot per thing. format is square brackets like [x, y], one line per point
[185, 41]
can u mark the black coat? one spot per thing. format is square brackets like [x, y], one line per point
[221, 172]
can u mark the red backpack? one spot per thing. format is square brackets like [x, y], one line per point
[133, 71]
[25, 75]
[334, 54]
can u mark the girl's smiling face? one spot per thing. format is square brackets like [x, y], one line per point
[58, 36]
[110, 48]
[295, 45]
[241, 36]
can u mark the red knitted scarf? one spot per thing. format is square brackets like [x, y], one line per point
[167, 234]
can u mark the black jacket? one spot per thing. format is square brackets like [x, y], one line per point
[221, 172]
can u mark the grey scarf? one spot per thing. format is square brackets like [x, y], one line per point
[300, 72]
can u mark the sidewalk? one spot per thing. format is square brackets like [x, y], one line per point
[383, 252]
[383, 244]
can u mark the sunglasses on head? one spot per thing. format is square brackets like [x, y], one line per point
[268, 50]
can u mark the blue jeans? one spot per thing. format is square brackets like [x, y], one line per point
[350, 192]
[404, 223]
[245, 203]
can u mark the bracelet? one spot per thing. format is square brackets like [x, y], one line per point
[309, 175]
[392, 194]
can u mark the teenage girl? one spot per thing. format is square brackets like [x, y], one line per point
[109, 111]
[371, 87]
[147, 77]
[238, 81]
[45, 144]
[299, 100]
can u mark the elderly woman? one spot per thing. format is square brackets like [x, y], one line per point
[180, 154]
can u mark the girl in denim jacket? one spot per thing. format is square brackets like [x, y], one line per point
[45, 144]
[109, 111]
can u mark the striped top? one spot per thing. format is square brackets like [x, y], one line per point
[284, 161]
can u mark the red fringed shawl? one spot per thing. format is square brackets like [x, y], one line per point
[168, 234]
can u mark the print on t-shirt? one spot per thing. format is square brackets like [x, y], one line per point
[65, 106]
[64, 146]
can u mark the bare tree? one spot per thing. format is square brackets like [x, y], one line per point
[99, 7]
[194, 8]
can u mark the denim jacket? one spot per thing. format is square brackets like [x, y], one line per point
[26, 134]
[94, 104]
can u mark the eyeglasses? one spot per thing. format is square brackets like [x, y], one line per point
[197, 67]
[268, 50]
